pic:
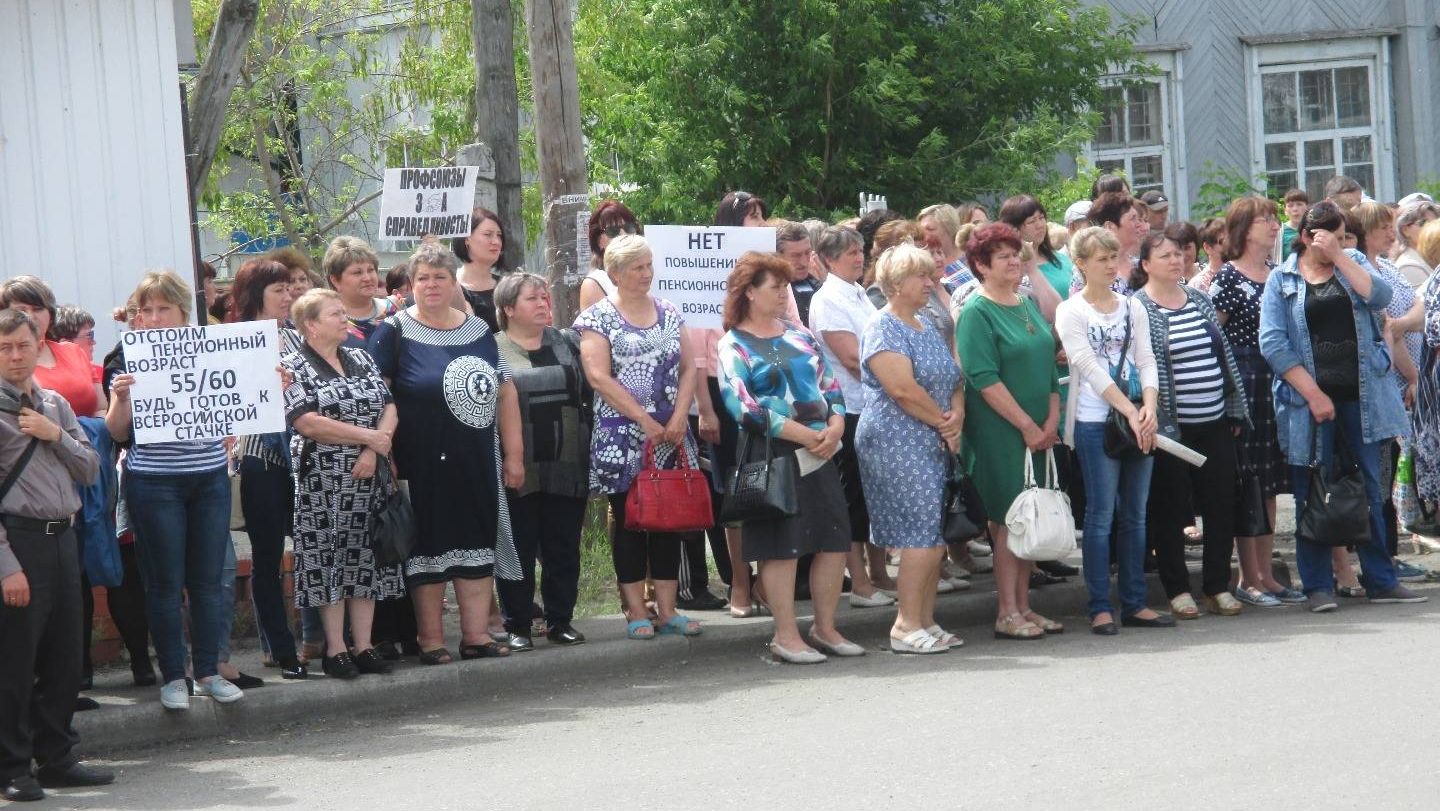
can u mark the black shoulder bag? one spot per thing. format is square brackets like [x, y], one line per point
[1120, 441]
[20, 463]
[761, 490]
[1337, 511]
[964, 517]
[392, 524]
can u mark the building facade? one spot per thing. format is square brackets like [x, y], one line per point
[1286, 92]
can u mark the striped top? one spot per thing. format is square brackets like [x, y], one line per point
[274, 452]
[177, 458]
[1195, 365]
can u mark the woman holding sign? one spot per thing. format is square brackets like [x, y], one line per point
[179, 500]
[458, 408]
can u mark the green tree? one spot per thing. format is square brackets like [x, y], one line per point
[810, 102]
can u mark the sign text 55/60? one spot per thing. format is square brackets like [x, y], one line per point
[201, 382]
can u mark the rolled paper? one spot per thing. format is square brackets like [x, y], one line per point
[1179, 451]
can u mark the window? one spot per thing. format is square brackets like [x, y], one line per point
[1317, 122]
[1132, 134]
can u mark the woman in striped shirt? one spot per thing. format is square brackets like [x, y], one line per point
[1200, 391]
[179, 499]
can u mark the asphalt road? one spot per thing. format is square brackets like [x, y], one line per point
[1273, 709]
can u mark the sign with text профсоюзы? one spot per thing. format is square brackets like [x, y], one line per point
[692, 263]
[205, 382]
[416, 201]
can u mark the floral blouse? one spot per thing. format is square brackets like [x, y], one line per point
[766, 381]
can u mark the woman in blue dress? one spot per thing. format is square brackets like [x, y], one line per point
[909, 429]
[454, 395]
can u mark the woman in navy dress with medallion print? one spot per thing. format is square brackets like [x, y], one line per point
[458, 407]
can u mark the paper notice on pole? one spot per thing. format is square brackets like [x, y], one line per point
[205, 382]
[582, 243]
[1179, 451]
[692, 263]
[415, 202]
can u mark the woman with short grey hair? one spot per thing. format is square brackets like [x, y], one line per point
[548, 509]
[1407, 237]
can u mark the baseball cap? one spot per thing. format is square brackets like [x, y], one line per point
[1078, 210]
[1155, 200]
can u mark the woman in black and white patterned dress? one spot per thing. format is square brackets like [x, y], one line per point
[344, 418]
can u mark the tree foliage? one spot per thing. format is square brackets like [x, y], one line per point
[810, 102]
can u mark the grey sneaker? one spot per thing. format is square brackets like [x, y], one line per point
[1398, 594]
[175, 695]
[221, 689]
[1320, 602]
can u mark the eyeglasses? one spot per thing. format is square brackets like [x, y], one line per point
[613, 231]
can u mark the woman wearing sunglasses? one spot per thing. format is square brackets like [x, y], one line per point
[608, 221]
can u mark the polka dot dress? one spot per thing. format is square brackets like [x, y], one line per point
[1238, 298]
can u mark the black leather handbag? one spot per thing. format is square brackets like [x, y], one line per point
[1120, 442]
[1337, 511]
[964, 514]
[762, 489]
[392, 524]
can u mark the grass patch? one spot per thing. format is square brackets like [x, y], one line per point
[598, 592]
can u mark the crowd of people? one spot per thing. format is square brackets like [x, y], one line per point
[866, 366]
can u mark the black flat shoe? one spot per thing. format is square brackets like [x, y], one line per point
[1158, 621]
[704, 601]
[85, 704]
[76, 775]
[144, 678]
[565, 634]
[368, 661]
[246, 682]
[486, 650]
[387, 651]
[291, 668]
[22, 789]
[340, 666]
[1105, 629]
[1040, 578]
[520, 643]
[1058, 568]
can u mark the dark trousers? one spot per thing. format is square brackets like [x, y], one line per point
[636, 551]
[395, 623]
[267, 499]
[1171, 508]
[40, 665]
[545, 526]
[694, 574]
[127, 611]
[87, 619]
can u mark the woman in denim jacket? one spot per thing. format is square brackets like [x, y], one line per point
[1319, 334]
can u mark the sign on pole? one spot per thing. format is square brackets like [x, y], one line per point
[205, 382]
[415, 202]
[692, 263]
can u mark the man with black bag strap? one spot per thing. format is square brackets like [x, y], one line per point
[40, 618]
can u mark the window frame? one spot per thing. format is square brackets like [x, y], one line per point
[1171, 148]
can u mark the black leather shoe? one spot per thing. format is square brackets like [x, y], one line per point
[1158, 621]
[1059, 568]
[1040, 578]
[144, 677]
[387, 651]
[340, 666]
[22, 789]
[76, 775]
[704, 601]
[247, 682]
[290, 668]
[85, 704]
[519, 643]
[368, 661]
[1105, 629]
[565, 634]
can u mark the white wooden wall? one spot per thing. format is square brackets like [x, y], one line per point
[92, 168]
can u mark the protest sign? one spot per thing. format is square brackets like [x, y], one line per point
[415, 202]
[692, 263]
[205, 382]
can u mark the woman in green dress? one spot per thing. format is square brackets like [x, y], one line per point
[1012, 402]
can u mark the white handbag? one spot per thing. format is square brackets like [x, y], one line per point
[1039, 520]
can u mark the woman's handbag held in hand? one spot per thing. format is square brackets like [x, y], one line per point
[668, 500]
[392, 525]
[1039, 521]
[760, 490]
[1337, 511]
[964, 517]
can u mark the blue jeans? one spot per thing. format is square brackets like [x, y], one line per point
[182, 532]
[1312, 560]
[1112, 487]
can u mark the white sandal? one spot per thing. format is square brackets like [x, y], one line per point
[917, 641]
[946, 638]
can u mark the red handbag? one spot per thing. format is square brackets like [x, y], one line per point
[668, 500]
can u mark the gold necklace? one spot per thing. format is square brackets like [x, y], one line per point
[1024, 314]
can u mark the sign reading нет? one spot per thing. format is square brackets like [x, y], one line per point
[692, 263]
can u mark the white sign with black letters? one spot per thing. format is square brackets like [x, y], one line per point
[415, 202]
[205, 382]
[692, 263]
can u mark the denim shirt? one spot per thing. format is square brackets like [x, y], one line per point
[1285, 343]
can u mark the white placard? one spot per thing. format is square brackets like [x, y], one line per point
[692, 263]
[205, 382]
[416, 201]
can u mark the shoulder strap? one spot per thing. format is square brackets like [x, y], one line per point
[19, 467]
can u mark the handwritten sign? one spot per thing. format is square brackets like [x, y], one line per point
[205, 382]
[415, 202]
[692, 263]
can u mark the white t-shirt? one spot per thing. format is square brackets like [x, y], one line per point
[602, 278]
[841, 306]
[1106, 333]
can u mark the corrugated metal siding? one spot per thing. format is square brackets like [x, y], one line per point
[92, 170]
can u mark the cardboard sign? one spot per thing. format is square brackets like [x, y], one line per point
[415, 202]
[693, 262]
[205, 382]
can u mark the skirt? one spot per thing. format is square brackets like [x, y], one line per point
[822, 525]
[1258, 447]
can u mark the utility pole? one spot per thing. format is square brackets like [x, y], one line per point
[561, 149]
[497, 115]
